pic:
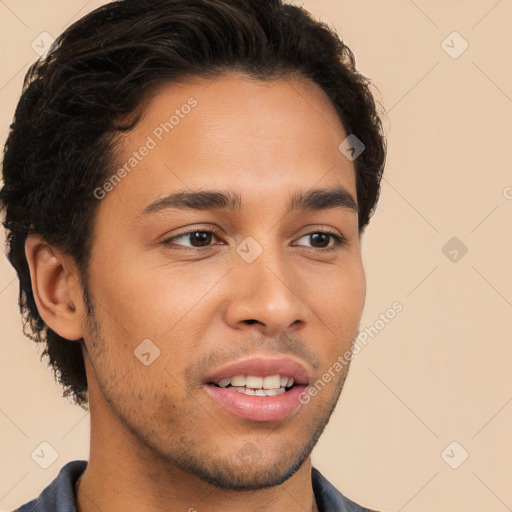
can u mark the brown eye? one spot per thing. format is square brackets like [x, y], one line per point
[195, 239]
[321, 240]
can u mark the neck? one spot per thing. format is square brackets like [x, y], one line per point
[124, 474]
[95, 492]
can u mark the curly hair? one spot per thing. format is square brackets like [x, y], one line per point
[92, 86]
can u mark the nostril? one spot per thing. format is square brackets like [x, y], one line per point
[250, 322]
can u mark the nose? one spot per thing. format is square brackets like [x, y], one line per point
[262, 297]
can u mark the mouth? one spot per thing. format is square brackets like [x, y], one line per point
[259, 389]
[253, 385]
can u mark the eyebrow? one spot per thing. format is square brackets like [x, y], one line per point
[314, 199]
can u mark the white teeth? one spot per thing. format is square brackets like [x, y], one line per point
[254, 382]
[272, 382]
[258, 392]
[238, 380]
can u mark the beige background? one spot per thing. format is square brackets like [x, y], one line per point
[440, 370]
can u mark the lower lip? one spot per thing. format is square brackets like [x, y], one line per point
[257, 408]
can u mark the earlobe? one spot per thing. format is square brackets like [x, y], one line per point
[56, 290]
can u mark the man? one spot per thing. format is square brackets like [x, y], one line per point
[186, 184]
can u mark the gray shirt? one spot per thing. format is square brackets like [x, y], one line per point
[59, 496]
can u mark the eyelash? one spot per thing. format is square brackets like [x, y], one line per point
[339, 241]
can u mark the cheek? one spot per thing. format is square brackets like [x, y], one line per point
[340, 301]
[141, 300]
[166, 304]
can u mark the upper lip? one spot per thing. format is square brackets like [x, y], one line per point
[263, 367]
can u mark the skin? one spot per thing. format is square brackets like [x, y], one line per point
[158, 441]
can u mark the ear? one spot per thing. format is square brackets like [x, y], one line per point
[56, 288]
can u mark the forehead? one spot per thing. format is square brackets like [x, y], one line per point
[251, 136]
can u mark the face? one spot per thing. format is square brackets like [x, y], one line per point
[257, 277]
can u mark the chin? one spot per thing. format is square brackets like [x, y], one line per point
[249, 477]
